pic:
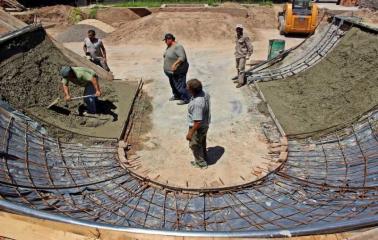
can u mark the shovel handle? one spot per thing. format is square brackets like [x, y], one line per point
[87, 96]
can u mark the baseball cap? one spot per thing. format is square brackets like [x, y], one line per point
[65, 71]
[239, 26]
[168, 36]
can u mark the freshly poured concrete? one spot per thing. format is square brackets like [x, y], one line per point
[324, 98]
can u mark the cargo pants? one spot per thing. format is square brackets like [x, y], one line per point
[198, 145]
[240, 67]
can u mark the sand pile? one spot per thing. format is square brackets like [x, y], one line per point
[116, 16]
[333, 93]
[187, 26]
[98, 24]
[77, 33]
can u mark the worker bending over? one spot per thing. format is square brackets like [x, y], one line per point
[83, 77]
[94, 48]
[243, 51]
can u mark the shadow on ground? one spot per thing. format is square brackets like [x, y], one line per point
[214, 154]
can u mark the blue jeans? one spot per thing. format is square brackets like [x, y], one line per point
[178, 85]
[91, 102]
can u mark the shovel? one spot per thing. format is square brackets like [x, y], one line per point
[56, 101]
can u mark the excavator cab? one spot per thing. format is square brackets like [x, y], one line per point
[298, 16]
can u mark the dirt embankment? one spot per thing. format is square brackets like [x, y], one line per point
[188, 26]
[333, 93]
[263, 16]
[58, 14]
[116, 16]
[212, 24]
[372, 4]
[78, 32]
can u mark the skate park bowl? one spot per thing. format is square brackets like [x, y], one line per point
[326, 181]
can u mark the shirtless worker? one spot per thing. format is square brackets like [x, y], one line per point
[243, 51]
[83, 77]
[94, 48]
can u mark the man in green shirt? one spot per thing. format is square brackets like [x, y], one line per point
[83, 77]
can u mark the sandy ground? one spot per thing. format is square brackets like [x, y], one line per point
[236, 144]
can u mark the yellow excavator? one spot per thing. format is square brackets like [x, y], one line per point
[298, 16]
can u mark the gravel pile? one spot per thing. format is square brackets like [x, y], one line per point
[78, 32]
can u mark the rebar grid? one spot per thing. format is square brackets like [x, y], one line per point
[322, 182]
[313, 55]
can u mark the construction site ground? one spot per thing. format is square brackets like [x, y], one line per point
[235, 140]
[238, 148]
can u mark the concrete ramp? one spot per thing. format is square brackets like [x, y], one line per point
[328, 92]
[9, 23]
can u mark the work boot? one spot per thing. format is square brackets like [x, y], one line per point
[174, 98]
[240, 85]
[198, 165]
[182, 102]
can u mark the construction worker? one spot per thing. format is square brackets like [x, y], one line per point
[176, 67]
[95, 50]
[199, 118]
[83, 77]
[243, 51]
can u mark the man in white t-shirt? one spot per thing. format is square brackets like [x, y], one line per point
[94, 48]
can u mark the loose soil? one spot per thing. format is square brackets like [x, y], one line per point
[116, 16]
[98, 24]
[325, 98]
[203, 27]
[372, 4]
[58, 14]
[263, 16]
[77, 33]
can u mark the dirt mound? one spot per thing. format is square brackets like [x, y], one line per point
[231, 5]
[333, 93]
[98, 24]
[187, 26]
[116, 16]
[372, 4]
[263, 16]
[56, 14]
[77, 33]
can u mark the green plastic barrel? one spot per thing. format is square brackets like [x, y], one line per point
[276, 46]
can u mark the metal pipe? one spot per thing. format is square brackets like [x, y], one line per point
[290, 232]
